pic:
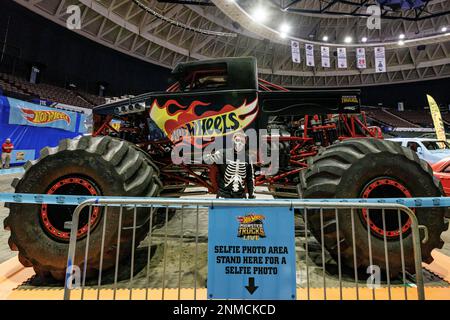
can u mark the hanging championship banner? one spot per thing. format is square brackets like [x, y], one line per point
[380, 59]
[437, 119]
[309, 49]
[361, 58]
[325, 52]
[342, 58]
[295, 48]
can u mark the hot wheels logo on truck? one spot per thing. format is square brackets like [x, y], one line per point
[189, 121]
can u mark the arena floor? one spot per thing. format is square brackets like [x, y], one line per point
[185, 250]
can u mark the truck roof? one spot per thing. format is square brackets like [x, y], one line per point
[241, 72]
[233, 61]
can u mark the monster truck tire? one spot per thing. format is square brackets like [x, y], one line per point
[355, 168]
[112, 167]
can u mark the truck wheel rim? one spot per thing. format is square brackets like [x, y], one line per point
[53, 216]
[386, 188]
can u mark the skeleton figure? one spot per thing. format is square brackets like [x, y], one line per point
[235, 174]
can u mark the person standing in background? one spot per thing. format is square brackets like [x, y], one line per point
[7, 148]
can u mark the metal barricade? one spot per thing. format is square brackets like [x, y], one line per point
[181, 253]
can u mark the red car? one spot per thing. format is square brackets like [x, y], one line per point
[441, 170]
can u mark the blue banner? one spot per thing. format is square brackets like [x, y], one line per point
[251, 253]
[25, 113]
[29, 139]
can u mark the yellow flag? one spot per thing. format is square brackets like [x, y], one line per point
[437, 119]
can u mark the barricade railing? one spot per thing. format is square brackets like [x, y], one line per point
[30, 198]
[303, 208]
[170, 261]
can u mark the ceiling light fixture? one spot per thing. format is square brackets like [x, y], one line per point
[285, 28]
[259, 14]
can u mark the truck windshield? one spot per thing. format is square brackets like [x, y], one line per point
[436, 145]
[213, 78]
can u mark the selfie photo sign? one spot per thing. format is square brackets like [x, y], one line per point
[251, 253]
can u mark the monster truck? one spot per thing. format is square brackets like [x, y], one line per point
[327, 150]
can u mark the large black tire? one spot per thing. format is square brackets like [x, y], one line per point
[116, 168]
[345, 170]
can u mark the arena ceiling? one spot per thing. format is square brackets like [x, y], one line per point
[166, 32]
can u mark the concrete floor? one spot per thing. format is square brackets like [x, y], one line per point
[192, 270]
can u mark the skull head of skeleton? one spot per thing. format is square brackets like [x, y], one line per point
[239, 139]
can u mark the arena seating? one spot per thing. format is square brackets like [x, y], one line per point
[419, 117]
[388, 118]
[94, 100]
[48, 92]
[446, 117]
[6, 87]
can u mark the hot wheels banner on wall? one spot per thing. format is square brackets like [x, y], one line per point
[32, 127]
[25, 113]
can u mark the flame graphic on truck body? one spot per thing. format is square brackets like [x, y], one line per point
[186, 122]
[44, 116]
